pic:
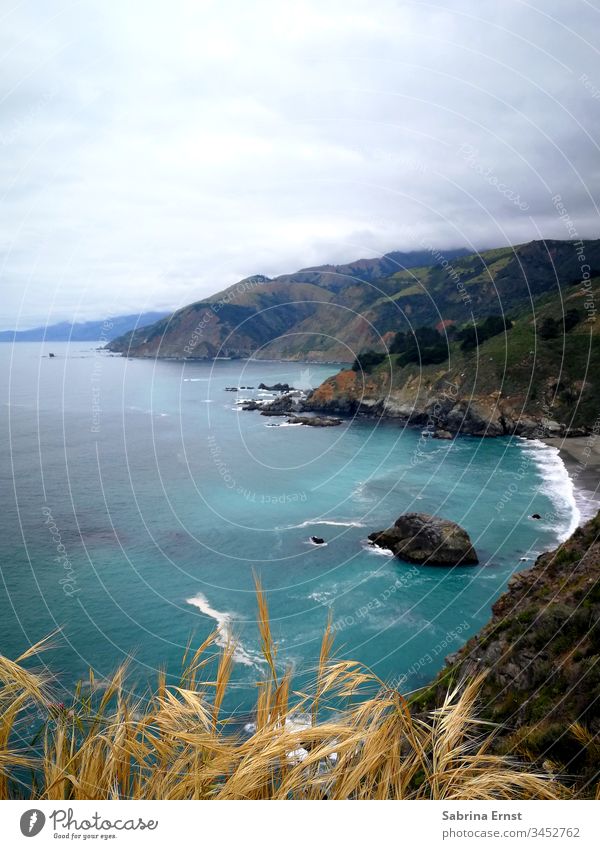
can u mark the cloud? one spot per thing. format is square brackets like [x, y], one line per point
[151, 153]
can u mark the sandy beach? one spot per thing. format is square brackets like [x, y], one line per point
[581, 455]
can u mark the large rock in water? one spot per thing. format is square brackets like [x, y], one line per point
[421, 538]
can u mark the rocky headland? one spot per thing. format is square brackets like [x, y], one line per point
[518, 382]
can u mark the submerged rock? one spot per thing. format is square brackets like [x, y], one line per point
[317, 540]
[421, 538]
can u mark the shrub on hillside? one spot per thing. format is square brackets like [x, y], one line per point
[473, 335]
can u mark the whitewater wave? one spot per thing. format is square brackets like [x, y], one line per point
[362, 494]
[195, 379]
[557, 485]
[376, 550]
[333, 522]
[321, 596]
[588, 503]
[225, 627]
[298, 721]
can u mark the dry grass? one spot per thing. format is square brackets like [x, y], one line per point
[173, 744]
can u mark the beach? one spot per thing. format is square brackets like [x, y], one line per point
[581, 456]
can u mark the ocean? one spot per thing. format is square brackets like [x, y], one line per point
[138, 503]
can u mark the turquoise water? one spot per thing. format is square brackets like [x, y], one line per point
[137, 502]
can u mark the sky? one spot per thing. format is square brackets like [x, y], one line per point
[153, 153]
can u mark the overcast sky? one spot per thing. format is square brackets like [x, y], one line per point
[152, 153]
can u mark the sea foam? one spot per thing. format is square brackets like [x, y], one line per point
[335, 523]
[225, 628]
[556, 484]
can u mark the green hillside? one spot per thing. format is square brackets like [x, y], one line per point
[537, 376]
[331, 313]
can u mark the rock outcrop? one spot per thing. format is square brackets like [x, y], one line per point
[465, 400]
[421, 538]
[314, 421]
[277, 387]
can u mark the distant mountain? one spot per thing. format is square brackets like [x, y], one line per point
[332, 312]
[86, 331]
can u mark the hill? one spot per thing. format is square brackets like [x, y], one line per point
[537, 375]
[331, 313]
[294, 316]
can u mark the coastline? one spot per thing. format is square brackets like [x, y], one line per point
[581, 456]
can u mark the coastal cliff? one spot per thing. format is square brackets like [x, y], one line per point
[540, 653]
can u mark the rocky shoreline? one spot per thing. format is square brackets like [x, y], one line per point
[447, 421]
[439, 421]
[289, 403]
[468, 398]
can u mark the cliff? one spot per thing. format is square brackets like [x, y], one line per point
[541, 655]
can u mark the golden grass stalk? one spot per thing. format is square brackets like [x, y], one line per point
[363, 741]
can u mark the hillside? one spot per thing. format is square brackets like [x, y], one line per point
[541, 656]
[283, 317]
[331, 313]
[515, 382]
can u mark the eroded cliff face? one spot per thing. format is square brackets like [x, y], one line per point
[541, 656]
[437, 399]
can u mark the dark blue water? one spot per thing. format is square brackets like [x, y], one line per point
[137, 502]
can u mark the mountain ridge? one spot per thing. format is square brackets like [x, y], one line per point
[332, 312]
[82, 331]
